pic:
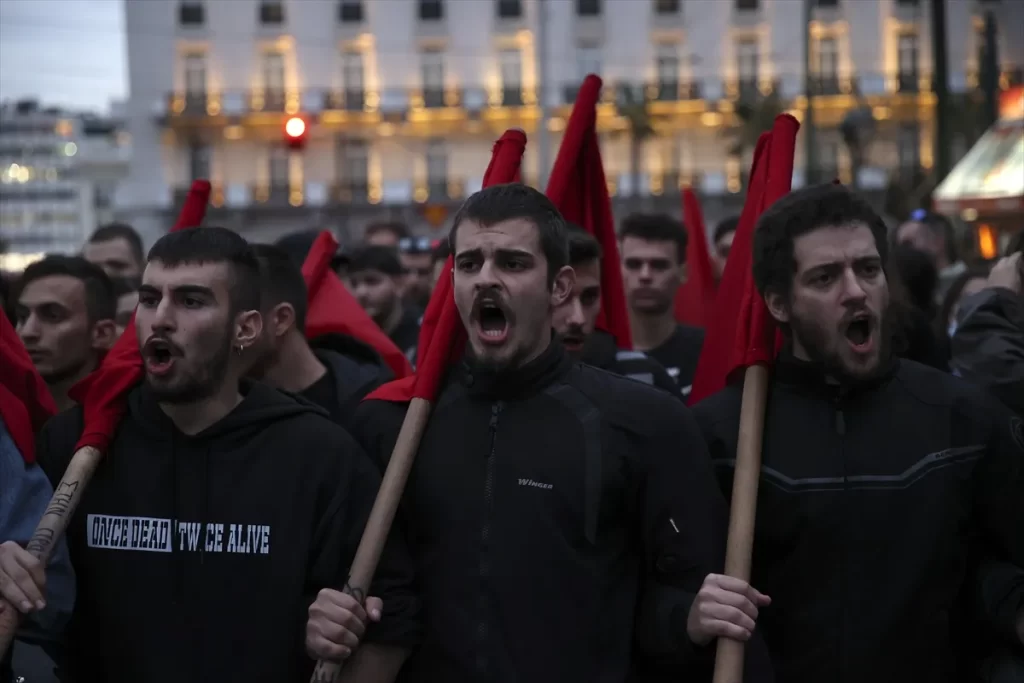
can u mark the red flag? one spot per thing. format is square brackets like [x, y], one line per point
[696, 297]
[750, 336]
[442, 337]
[25, 400]
[578, 188]
[333, 309]
[103, 393]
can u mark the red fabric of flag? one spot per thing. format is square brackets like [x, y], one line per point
[333, 309]
[442, 337]
[750, 336]
[104, 392]
[696, 297]
[25, 401]
[577, 186]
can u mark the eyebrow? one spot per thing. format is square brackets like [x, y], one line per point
[180, 289]
[503, 252]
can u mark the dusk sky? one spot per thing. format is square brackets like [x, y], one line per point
[64, 52]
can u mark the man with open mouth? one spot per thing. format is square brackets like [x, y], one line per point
[877, 473]
[564, 520]
[575, 321]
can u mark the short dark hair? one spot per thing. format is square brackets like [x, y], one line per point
[281, 282]
[119, 231]
[399, 230]
[375, 257]
[124, 285]
[799, 213]
[939, 226]
[656, 228]
[100, 300]
[725, 226]
[214, 245]
[498, 203]
[913, 272]
[583, 247]
[297, 245]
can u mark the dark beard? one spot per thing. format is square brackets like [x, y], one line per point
[814, 341]
[202, 383]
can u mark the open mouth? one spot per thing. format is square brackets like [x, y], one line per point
[572, 342]
[858, 333]
[493, 322]
[159, 356]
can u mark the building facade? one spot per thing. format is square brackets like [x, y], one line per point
[58, 177]
[404, 98]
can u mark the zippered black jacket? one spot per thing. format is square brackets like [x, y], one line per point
[559, 516]
[870, 499]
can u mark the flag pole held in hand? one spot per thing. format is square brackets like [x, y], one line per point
[441, 340]
[101, 420]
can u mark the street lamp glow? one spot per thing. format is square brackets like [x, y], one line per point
[295, 127]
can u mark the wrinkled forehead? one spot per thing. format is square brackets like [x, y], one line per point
[843, 244]
[213, 276]
[517, 234]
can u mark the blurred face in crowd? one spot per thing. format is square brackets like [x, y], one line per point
[720, 253]
[419, 273]
[502, 290]
[53, 323]
[575, 319]
[383, 238]
[378, 293]
[126, 304]
[923, 238]
[839, 297]
[187, 329]
[114, 256]
[651, 274]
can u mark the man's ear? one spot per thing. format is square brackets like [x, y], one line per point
[280, 319]
[561, 288]
[103, 335]
[777, 306]
[248, 326]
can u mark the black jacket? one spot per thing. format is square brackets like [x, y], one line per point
[354, 370]
[869, 500]
[601, 352]
[988, 346]
[197, 557]
[539, 503]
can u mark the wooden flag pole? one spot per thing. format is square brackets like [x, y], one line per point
[52, 526]
[378, 526]
[740, 544]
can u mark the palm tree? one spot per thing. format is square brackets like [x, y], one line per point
[753, 117]
[633, 107]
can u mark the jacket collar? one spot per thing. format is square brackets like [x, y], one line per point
[809, 376]
[512, 383]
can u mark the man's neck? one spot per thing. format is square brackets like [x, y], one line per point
[651, 331]
[59, 389]
[297, 368]
[391, 321]
[192, 418]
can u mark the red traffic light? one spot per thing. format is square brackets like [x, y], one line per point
[295, 132]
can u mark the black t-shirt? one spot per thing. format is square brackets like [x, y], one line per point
[407, 334]
[324, 393]
[678, 355]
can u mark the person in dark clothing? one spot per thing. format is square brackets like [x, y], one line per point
[988, 347]
[653, 251]
[377, 282]
[222, 507]
[333, 371]
[562, 518]
[912, 281]
[877, 472]
[576, 319]
[721, 244]
[970, 282]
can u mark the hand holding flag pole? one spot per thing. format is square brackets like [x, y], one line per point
[102, 395]
[442, 338]
[751, 341]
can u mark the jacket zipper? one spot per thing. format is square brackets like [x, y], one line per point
[841, 431]
[485, 534]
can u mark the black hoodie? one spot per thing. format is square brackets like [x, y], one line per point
[601, 352]
[198, 556]
[354, 369]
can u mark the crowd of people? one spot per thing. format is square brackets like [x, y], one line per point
[566, 515]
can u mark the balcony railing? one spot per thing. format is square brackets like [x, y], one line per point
[437, 189]
[274, 100]
[350, 192]
[676, 91]
[512, 97]
[826, 84]
[433, 98]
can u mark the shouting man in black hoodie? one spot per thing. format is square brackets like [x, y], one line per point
[335, 373]
[877, 472]
[575, 320]
[562, 518]
[222, 507]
